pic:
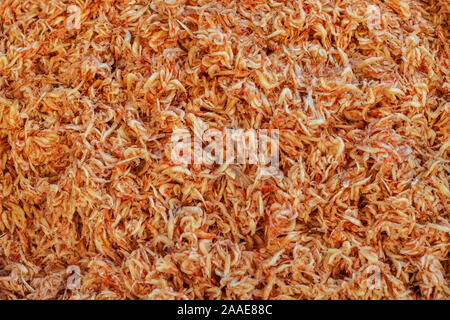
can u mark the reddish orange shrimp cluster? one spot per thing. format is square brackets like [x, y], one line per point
[92, 206]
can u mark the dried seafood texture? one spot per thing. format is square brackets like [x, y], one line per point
[359, 91]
